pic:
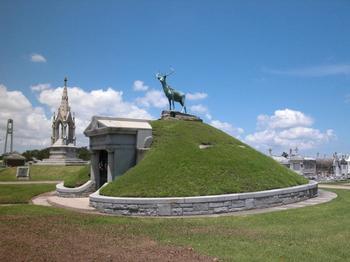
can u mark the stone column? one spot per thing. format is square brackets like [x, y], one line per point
[94, 171]
[61, 131]
[110, 168]
[73, 135]
[53, 134]
[65, 133]
[57, 132]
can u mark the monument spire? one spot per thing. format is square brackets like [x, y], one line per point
[64, 107]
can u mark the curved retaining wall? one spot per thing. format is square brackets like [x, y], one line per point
[81, 191]
[202, 205]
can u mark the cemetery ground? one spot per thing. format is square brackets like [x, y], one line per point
[37, 233]
[72, 176]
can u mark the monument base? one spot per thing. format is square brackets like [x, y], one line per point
[166, 114]
[63, 156]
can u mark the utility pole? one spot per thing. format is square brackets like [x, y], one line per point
[9, 131]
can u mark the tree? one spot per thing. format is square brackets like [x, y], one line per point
[84, 153]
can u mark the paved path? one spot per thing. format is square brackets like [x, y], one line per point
[82, 204]
[41, 200]
[28, 182]
[323, 197]
[340, 186]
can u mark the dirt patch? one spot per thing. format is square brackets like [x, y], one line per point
[51, 238]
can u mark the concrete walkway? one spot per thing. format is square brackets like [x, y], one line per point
[323, 197]
[82, 204]
[340, 186]
[23, 182]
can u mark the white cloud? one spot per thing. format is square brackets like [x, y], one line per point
[200, 109]
[224, 126]
[208, 116]
[152, 98]
[40, 87]
[287, 129]
[37, 58]
[284, 119]
[196, 96]
[313, 71]
[85, 104]
[139, 86]
[31, 126]
[32, 129]
[228, 128]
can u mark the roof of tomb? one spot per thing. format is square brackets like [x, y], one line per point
[101, 124]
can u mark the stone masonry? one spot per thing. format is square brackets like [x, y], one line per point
[202, 205]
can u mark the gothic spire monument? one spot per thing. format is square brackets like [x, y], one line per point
[63, 141]
[63, 124]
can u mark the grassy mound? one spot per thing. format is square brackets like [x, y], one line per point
[176, 166]
[79, 178]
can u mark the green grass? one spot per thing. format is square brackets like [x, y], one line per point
[318, 233]
[175, 166]
[14, 194]
[340, 182]
[38, 173]
[79, 178]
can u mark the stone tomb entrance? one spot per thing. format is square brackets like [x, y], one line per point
[116, 144]
[102, 167]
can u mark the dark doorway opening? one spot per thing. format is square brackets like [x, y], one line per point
[102, 166]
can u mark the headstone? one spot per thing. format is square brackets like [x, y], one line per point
[22, 172]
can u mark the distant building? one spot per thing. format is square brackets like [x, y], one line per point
[341, 166]
[14, 159]
[334, 168]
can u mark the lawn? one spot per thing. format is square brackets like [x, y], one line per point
[78, 178]
[14, 194]
[340, 182]
[75, 175]
[317, 233]
[176, 166]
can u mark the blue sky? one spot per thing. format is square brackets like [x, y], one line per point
[250, 58]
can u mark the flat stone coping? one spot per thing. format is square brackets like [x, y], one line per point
[202, 205]
[198, 199]
[62, 189]
[81, 191]
[82, 204]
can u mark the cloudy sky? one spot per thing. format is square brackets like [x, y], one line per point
[273, 75]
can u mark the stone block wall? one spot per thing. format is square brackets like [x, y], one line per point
[202, 205]
[81, 191]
